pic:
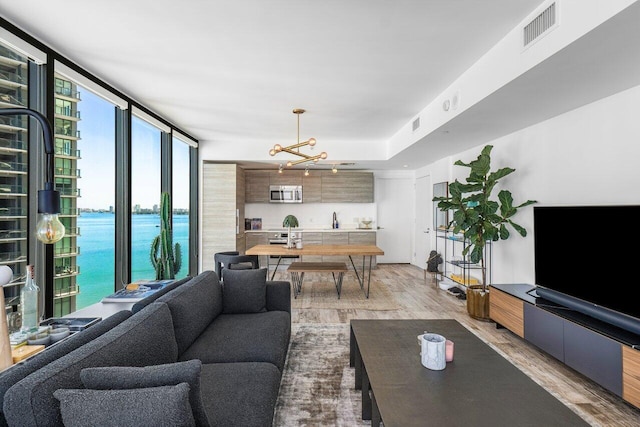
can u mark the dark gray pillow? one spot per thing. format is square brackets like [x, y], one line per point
[129, 377]
[155, 406]
[244, 291]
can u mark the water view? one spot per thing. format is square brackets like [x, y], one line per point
[97, 248]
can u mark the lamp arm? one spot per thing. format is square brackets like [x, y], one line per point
[48, 137]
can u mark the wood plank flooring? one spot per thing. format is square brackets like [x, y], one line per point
[420, 299]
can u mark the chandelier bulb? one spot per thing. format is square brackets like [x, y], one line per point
[272, 152]
[306, 172]
[277, 147]
[289, 164]
[312, 141]
[323, 155]
[334, 169]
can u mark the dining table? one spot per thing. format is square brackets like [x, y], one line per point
[367, 252]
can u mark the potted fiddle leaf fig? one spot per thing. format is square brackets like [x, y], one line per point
[480, 218]
[290, 221]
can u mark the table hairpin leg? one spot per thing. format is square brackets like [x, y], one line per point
[276, 268]
[367, 277]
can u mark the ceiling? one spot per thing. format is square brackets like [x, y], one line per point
[230, 73]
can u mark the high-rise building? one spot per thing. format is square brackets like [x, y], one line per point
[67, 174]
[14, 180]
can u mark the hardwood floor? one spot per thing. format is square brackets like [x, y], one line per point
[418, 298]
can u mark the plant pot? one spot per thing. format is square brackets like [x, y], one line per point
[478, 303]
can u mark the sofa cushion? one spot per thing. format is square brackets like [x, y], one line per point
[154, 406]
[193, 307]
[154, 296]
[257, 337]
[244, 291]
[245, 393]
[17, 372]
[144, 339]
[129, 377]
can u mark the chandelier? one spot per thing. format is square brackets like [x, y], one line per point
[295, 148]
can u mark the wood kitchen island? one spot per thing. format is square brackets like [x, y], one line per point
[366, 251]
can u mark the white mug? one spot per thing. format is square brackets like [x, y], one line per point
[433, 351]
[299, 244]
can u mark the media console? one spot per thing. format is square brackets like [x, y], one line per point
[605, 353]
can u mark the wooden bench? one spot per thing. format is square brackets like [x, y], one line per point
[297, 270]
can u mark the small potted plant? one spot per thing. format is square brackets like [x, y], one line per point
[481, 219]
[290, 221]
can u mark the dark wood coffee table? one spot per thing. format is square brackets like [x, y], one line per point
[479, 388]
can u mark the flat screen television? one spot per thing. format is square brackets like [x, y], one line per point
[586, 260]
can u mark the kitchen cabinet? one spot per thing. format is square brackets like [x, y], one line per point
[223, 198]
[318, 187]
[257, 186]
[287, 177]
[311, 238]
[258, 238]
[312, 188]
[347, 187]
[335, 238]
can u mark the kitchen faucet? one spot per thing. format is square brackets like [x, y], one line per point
[335, 221]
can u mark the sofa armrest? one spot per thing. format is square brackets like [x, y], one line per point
[279, 296]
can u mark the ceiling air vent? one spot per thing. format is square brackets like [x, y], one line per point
[540, 24]
[416, 124]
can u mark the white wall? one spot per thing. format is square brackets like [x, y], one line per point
[588, 156]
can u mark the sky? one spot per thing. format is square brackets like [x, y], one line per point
[97, 162]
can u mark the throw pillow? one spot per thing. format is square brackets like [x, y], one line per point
[244, 291]
[155, 406]
[129, 377]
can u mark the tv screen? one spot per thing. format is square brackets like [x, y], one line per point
[590, 253]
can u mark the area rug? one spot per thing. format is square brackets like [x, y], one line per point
[317, 387]
[319, 291]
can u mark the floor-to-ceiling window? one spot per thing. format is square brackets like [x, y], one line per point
[181, 197]
[91, 122]
[145, 195]
[96, 200]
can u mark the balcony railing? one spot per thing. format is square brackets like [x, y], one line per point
[66, 251]
[13, 189]
[10, 99]
[12, 234]
[13, 144]
[12, 77]
[64, 151]
[67, 92]
[13, 166]
[67, 132]
[67, 270]
[67, 172]
[72, 232]
[12, 212]
[68, 191]
[67, 291]
[10, 257]
[69, 211]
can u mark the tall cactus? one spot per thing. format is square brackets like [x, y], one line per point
[165, 257]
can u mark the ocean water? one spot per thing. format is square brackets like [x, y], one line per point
[97, 251]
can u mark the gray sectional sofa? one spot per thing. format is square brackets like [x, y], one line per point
[229, 342]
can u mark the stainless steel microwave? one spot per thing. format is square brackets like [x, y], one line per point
[285, 193]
